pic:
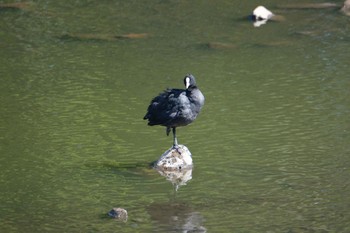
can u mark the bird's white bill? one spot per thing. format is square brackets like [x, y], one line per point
[187, 82]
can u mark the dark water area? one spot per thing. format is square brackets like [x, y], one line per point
[270, 147]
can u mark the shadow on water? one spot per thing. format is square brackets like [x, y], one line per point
[177, 178]
[125, 169]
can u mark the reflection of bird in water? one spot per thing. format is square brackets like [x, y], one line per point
[176, 216]
[176, 107]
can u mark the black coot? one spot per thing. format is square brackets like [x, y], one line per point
[176, 107]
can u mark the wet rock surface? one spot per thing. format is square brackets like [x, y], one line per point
[118, 214]
[176, 158]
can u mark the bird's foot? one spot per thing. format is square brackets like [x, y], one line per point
[176, 148]
[175, 145]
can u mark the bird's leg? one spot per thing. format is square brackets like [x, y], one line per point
[175, 139]
[168, 131]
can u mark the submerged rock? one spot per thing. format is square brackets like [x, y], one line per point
[324, 5]
[345, 8]
[219, 45]
[175, 159]
[15, 6]
[101, 37]
[119, 214]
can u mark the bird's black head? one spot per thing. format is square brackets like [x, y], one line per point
[189, 81]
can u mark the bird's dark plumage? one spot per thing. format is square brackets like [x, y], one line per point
[176, 107]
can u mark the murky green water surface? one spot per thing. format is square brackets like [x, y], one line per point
[270, 148]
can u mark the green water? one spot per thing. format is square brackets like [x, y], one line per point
[270, 147]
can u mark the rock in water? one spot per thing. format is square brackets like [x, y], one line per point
[119, 214]
[176, 158]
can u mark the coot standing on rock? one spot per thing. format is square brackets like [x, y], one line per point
[176, 107]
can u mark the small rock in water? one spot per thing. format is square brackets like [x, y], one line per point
[176, 158]
[219, 45]
[118, 213]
